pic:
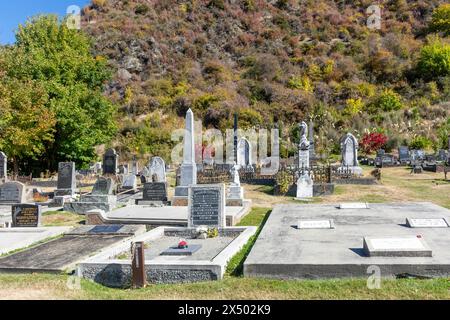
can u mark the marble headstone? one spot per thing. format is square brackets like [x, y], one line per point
[158, 169]
[349, 152]
[244, 153]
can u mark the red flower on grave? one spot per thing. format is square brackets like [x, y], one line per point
[419, 236]
[182, 244]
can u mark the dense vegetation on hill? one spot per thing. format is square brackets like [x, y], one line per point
[275, 63]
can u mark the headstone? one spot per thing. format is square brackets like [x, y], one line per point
[235, 193]
[401, 246]
[110, 162]
[427, 223]
[235, 137]
[188, 167]
[3, 166]
[207, 206]
[349, 150]
[129, 182]
[66, 179]
[135, 166]
[12, 192]
[303, 147]
[305, 187]
[403, 154]
[123, 169]
[244, 153]
[26, 216]
[442, 155]
[155, 191]
[103, 186]
[354, 205]
[158, 169]
[315, 224]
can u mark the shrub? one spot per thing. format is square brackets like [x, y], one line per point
[373, 141]
[353, 106]
[440, 20]
[387, 101]
[302, 83]
[434, 60]
[420, 142]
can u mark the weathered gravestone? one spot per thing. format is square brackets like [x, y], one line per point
[442, 155]
[244, 153]
[303, 147]
[349, 152]
[206, 206]
[110, 162]
[12, 192]
[153, 193]
[66, 179]
[3, 166]
[26, 216]
[103, 186]
[157, 169]
[129, 182]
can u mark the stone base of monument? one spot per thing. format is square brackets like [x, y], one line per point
[65, 253]
[357, 171]
[12, 239]
[92, 202]
[158, 216]
[207, 263]
[379, 236]
[235, 196]
[60, 201]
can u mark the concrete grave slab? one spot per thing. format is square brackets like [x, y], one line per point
[64, 253]
[112, 269]
[12, 239]
[284, 252]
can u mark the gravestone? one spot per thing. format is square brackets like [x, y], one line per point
[135, 166]
[158, 169]
[26, 216]
[349, 153]
[235, 193]
[12, 192]
[3, 166]
[315, 224]
[123, 169]
[401, 246]
[129, 182]
[153, 193]
[103, 186]
[206, 206]
[403, 154]
[442, 155]
[244, 153]
[110, 162]
[303, 147]
[427, 223]
[188, 167]
[66, 179]
[305, 187]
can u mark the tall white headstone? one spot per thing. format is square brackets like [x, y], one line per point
[244, 153]
[349, 152]
[304, 183]
[158, 169]
[188, 167]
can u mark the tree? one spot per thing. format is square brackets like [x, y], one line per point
[27, 124]
[434, 60]
[372, 142]
[440, 20]
[59, 59]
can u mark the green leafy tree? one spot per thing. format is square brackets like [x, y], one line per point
[60, 60]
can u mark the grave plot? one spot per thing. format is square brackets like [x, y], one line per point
[12, 239]
[338, 241]
[62, 254]
[203, 260]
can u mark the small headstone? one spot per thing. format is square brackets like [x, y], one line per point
[315, 224]
[110, 162]
[155, 191]
[103, 186]
[26, 216]
[402, 246]
[354, 205]
[130, 182]
[206, 206]
[12, 192]
[427, 223]
[403, 154]
[3, 166]
[442, 155]
[158, 169]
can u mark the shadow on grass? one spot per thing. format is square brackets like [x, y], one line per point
[235, 267]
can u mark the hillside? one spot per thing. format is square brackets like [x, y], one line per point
[272, 61]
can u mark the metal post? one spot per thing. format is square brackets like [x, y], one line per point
[138, 265]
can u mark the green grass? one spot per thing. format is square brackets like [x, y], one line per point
[61, 218]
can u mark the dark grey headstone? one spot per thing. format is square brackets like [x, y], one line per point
[155, 191]
[66, 175]
[26, 216]
[207, 206]
[110, 162]
[403, 153]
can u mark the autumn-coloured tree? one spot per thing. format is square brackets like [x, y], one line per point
[373, 141]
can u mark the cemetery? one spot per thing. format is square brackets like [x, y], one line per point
[199, 222]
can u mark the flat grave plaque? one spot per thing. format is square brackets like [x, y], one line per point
[405, 246]
[175, 251]
[315, 224]
[427, 223]
[354, 205]
[106, 229]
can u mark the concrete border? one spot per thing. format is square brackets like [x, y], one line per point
[103, 269]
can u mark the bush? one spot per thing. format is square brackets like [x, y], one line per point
[440, 20]
[373, 141]
[387, 101]
[302, 83]
[420, 142]
[434, 60]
